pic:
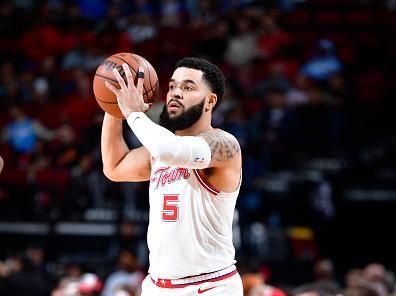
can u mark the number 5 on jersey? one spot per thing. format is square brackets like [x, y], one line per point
[170, 209]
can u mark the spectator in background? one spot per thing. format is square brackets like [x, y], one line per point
[202, 12]
[22, 132]
[376, 275]
[275, 80]
[130, 237]
[46, 86]
[214, 43]
[361, 290]
[324, 62]
[142, 28]
[93, 9]
[391, 5]
[241, 48]
[69, 282]
[271, 37]
[127, 274]
[297, 94]
[171, 13]
[9, 92]
[324, 275]
[254, 285]
[353, 278]
[277, 125]
[90, 285]
[25, 281]
[1, 164]
[312, 290]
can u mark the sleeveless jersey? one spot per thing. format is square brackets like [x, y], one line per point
[190, 226]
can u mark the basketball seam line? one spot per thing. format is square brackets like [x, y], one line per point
[106, 102]
[152, 88]
[105, 77]
[148, 74]
[130, 67]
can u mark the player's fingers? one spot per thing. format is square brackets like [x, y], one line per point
[120, 80]
[128, 74]
[146, 107]
[140, 79]
[111, 87]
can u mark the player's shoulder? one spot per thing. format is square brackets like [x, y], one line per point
[221, 141]
[217, 133]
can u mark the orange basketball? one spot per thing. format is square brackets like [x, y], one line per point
[106, 98]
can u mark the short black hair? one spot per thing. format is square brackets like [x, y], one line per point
[211, 74]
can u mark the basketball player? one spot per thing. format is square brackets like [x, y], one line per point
[195, 176]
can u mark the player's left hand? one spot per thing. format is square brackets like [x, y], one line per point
[129, 96]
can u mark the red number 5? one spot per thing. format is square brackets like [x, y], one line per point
[170, 211]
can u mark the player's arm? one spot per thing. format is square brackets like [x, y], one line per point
[119, 162]
[210, 149]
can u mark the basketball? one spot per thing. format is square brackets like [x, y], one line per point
[106, 98]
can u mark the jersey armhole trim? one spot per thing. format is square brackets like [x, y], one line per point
[204, 183]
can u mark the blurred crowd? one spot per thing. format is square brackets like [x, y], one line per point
[309, 93]
[28, 274]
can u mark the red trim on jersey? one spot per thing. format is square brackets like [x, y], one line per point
[205, 183]
[164, 283]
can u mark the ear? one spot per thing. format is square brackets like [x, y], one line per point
[210, 101]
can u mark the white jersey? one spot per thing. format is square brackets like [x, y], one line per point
[190, 228]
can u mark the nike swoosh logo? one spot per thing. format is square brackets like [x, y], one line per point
[200, 291]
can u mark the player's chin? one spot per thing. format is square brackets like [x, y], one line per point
[174, 112]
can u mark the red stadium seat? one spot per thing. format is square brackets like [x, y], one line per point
[55, 178]
[328, 19]
[371, 86]
[14, 176]
[358, 20]
[298, 19]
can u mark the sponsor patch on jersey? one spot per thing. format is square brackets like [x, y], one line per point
[199, 159]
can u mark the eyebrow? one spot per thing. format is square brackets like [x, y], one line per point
[185, 81]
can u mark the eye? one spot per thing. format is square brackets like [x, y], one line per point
[188, 88]
[171, 86]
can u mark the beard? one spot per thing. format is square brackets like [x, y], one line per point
[182, 121]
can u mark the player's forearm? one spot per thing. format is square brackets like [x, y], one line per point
[113, 145]
[189, 152]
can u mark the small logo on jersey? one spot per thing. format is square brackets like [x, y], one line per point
[199, 159]
[164, 175]
[200, 290]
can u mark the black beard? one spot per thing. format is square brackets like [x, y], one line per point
[183, 121]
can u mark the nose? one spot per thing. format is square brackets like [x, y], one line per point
[176, 93]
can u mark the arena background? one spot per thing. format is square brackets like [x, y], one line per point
[310, 98]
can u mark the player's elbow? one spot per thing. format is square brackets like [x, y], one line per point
[109, 174]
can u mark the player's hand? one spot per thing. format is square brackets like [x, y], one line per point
[129, 96]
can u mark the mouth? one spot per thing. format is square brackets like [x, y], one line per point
[173, 106]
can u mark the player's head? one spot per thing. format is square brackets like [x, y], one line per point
[212, 76]
[196, 87]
